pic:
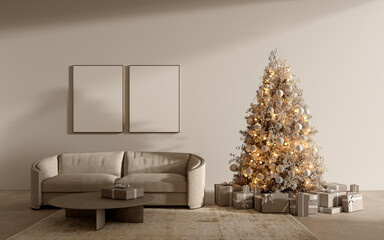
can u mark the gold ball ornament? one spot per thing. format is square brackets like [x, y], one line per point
[279, 180]
[248, 148]
[260, 176]
[280, 169]
[253, 148]
[248, 171]
[233, 168]
[264, 148]
[249, 120]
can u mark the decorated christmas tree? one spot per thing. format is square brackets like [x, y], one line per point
[278, 153]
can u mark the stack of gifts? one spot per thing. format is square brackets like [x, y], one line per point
[272, 202]
[303, 204]
[224, 193]
[243, 199]
[330, 198]
[124, 192]
[353, 200]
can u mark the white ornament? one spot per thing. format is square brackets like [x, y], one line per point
[249, 120]
[260, 176]
[288, 88]
[298, 126]
[303, 138]
[278, 126]
[279, 180]
[248, 171]
[279, 103]
[299, 148]
[253, 148]
[264, 148]
[233, 168]
[258, 126]
[307, 172]
[291, 173]
[296, 134]
[280, 140]
[280, 169]
[280, 93]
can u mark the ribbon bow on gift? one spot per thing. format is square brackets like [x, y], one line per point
[351, 199]
[267, 197]
[244, 204]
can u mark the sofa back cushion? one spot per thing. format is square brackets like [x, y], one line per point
[152, 162]
[97, 162]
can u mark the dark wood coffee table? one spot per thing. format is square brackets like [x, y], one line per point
[94, 206]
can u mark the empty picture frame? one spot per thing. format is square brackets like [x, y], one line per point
[154, 98]
[98, 98]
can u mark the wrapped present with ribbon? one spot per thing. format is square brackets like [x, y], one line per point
[331, 198]
[256, 191]
[277, 202]
[352, 202]
[305, 204]
[242, 200]
[354, 188]
[224, 192]
[331, 210]
[257, 202]
[122, 193]
[292, 206]
[336, 187]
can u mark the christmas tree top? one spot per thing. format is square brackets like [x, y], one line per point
[278, 153]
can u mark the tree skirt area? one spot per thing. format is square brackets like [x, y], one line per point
[210, 222]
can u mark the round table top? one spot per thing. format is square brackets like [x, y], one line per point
[93, 200]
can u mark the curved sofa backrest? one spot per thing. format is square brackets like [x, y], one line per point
[96, 162]
[155, 162]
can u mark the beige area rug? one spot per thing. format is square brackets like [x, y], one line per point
[211, 222]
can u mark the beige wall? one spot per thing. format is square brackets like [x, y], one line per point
[335, 47]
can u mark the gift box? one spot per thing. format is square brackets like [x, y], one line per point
[352, 202]
[354, 188]
[337, 187]
[331, 210]
[292, 206]
[223, 193]
[256, 191]
[242, 200]
[306, 203]
[122, 193]
[275, 202]
[331, 199]
[257, 202]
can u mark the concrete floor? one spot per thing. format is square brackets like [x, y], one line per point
[16, 215]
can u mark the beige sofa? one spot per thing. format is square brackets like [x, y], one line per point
[176, 179]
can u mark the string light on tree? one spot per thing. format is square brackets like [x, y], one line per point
[279, 152]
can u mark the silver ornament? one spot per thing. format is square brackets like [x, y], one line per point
[252, 148]
[298, 126]
[260, 176]
[278, 126]
[280, 140]
[280, 93]
[299, 148]
[307, 172]
[303, 138]
[279, 180]
[258, 126]
[264, 148]
[248, 171]
[280, 169]
[233, 168]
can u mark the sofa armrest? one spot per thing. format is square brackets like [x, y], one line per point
[41, 170]
[196, 181]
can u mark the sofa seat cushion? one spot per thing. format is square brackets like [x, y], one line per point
[78, 182]
[156, 182]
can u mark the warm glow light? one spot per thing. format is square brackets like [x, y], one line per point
[251, 160]
[311, 166]
[258, 154]
[245, 175]
[291, 153]
[261, 162]
[285, 144]
[265, 138]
